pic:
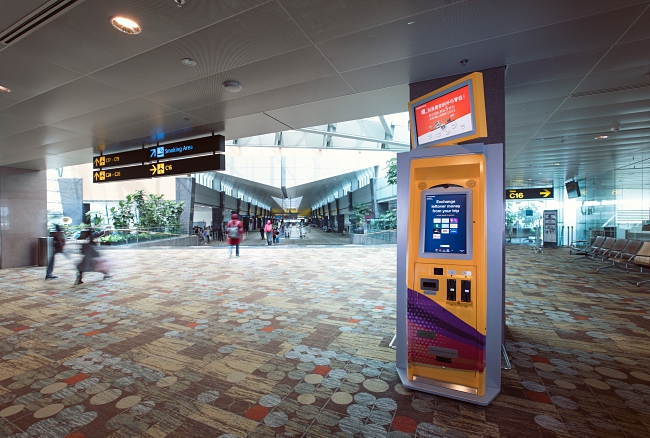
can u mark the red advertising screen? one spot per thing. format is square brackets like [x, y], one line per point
[449, 115]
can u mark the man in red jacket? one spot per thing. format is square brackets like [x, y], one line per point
[235, 232]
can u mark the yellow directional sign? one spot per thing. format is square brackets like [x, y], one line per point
[158, 169]
[537, 193]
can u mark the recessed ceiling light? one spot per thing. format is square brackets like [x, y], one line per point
[4, 89]
[601, 137]
[410, 22]
[125, 25]
[188, 62]
[556, 164]
[232, 86]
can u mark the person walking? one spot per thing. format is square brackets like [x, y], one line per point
[59, 243]
[235, 232]
[262, 233]
[91, 261]
[268, 230]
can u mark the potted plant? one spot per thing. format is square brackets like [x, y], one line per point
[358, 216]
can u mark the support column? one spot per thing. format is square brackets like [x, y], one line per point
[186, 192]
[23, 215]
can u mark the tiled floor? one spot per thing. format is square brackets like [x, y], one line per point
[293, 341]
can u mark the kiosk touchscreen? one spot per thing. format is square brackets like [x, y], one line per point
[447, 214]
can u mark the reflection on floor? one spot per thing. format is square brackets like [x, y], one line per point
[296, 344]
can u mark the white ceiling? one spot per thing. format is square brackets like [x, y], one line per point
[78, 84]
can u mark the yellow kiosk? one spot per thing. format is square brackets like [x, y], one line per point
[450, 266]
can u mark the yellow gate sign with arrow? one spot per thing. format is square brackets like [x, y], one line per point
[536, 193]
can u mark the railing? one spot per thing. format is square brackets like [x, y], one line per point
[143, 238]
[386, 237]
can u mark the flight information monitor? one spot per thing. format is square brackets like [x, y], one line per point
[446, 223]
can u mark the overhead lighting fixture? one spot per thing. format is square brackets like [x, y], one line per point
[125, 25]
[4, 89]
[601, 137]
[232, 86]
[188, 62]
[556, 164]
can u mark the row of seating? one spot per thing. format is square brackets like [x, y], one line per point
[619, 253]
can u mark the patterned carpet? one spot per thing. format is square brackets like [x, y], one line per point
[293, 342]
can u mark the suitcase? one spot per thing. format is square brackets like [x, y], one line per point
[277, 240]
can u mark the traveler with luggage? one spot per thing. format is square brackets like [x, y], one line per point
[235, 232]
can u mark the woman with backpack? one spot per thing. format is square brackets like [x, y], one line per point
[268, 230]
[235, 232]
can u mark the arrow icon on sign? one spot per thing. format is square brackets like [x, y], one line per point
[153, 169]
[96, 161]
[545, 193]
[96, 176]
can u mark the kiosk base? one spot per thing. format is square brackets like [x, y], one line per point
[428, 385]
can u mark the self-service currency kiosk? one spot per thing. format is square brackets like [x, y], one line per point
[450, 248]
[446, 299]
[450, 314]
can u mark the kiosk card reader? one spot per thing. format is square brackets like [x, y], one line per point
[446, 273]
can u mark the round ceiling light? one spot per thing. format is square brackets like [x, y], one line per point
[188, 62]
[125, 25]
[4, 89]
[232, 86]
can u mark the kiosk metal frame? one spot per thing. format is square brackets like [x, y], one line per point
[495, 248]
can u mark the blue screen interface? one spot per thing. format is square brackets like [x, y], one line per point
[446, 224]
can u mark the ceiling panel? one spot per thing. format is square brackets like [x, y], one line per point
[481, 21]
[123, 113]
[550, 89]
[152, 129]
[12, 11]
[223, 46]
[74, 98]
[545, 43]
[289, 68]
[514, 110]
[250, 125]
[547, 69]
[27, 76]
[353, 106]
[34, 138]
[52, 162]
[325, 19]
[9, 126]
[56, 148]
[626, 55]
[640, 30]
[634, 98]
[633, 76]
[84, 40]
[310, 91]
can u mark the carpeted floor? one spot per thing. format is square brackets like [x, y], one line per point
[294, 342]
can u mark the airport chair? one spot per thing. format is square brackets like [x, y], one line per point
[642, 260]
[605, 246]
[624, 257]
[588, 250]
[617, 247]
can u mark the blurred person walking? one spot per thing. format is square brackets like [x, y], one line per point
[235, 232]
[91, 261]
[59, 243]
[268, 230]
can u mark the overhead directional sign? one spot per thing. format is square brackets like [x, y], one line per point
[179, 149]
[121, 159]
[122, 174]
[205, 163]
[537, 193]
[182, 149]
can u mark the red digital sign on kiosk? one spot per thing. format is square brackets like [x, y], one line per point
[449, 115]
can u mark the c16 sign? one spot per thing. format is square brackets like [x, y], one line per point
[538, 193]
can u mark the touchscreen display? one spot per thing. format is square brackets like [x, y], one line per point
[446, 223]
